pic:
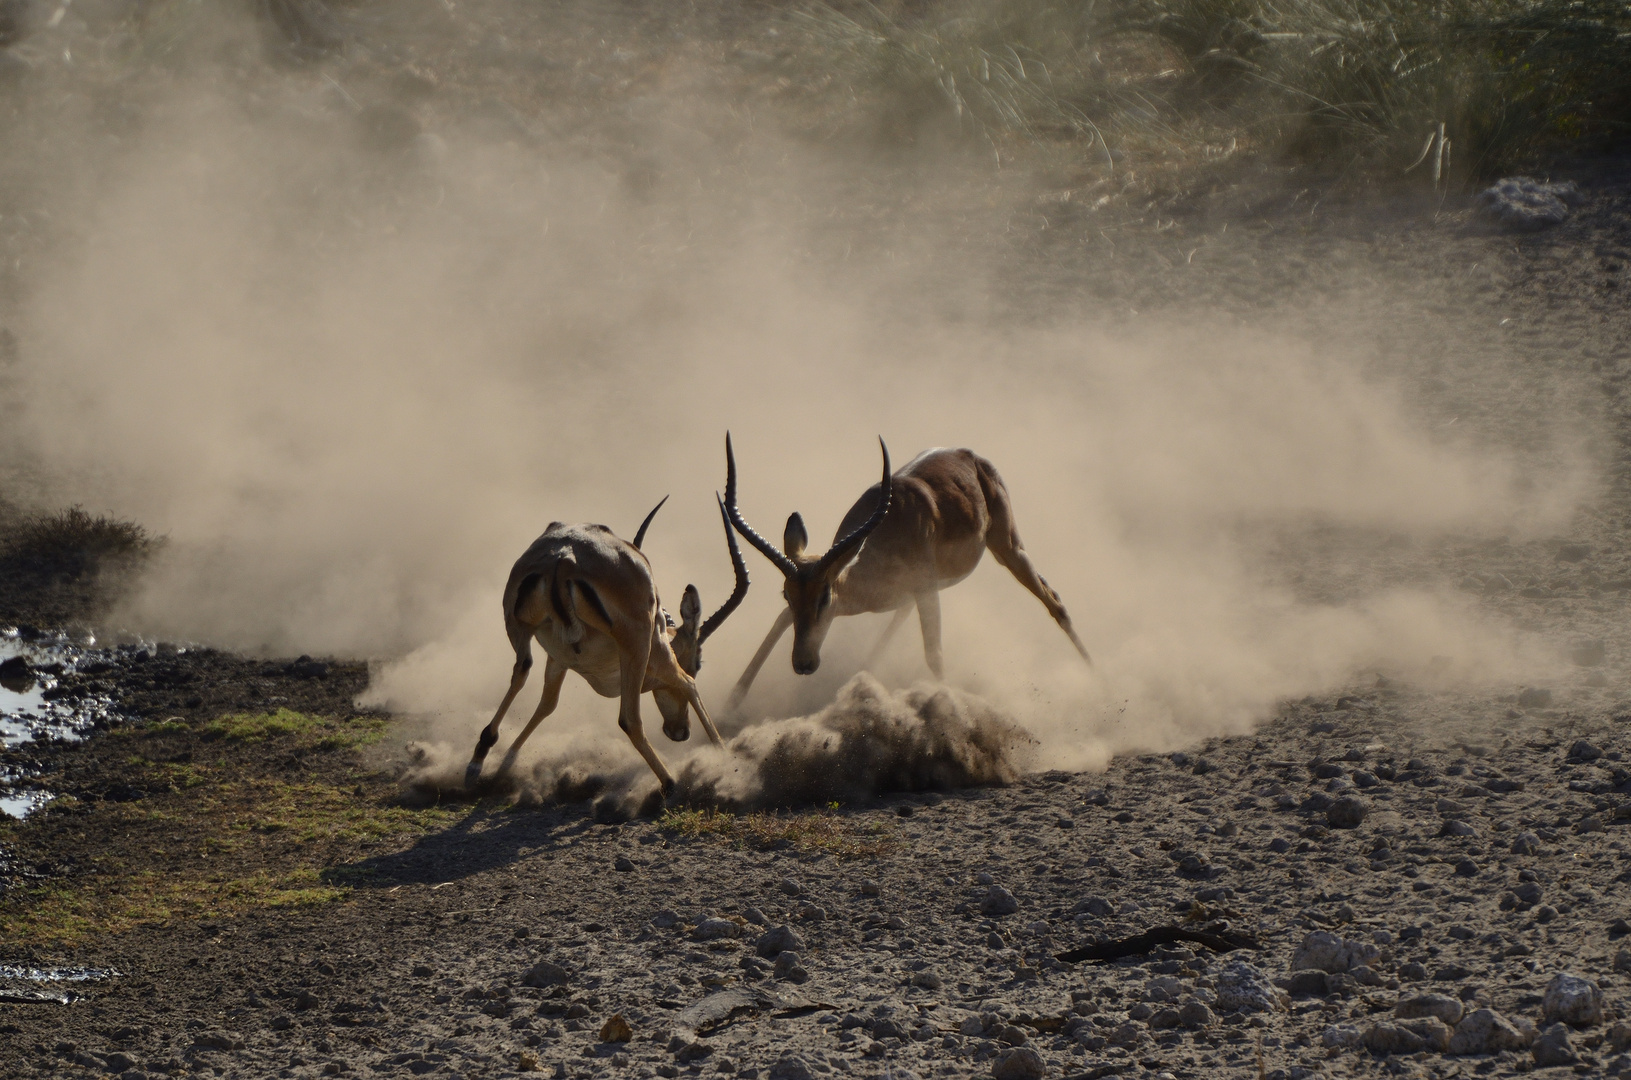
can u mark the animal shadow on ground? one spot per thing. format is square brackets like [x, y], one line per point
[485, 839]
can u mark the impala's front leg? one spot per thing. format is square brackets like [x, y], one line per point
[783, 621]
[634, 656]
[928, 617]
[489, 734]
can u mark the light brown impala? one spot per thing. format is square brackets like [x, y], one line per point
[589, 600]
[906, 538]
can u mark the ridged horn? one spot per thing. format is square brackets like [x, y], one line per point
[843, 550]
[787, 566]
[718, 618]
[640, 534]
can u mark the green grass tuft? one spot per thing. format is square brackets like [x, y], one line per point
[324, 733]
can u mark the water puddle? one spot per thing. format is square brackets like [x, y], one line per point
[32, 708]
[29, 671]
[47, 986]
[20, 804]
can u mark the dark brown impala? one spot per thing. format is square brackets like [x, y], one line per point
[589, 600]
[906, 538]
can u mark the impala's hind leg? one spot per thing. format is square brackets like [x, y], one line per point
[489, 734]
[554, 676]
[1003, 541]
[895, 622]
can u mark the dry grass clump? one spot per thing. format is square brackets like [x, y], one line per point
[1484, 84]
[75, 539]
[822, 831]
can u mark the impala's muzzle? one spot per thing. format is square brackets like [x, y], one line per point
[676, 713]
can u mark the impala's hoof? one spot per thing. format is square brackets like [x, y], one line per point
[472, 775]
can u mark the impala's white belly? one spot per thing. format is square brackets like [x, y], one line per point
[595, 657]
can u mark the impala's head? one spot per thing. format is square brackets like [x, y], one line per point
[691, 633]
[808, 579]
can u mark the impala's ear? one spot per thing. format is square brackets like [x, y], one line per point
[687, 649]
[794, 538]
[690, 607]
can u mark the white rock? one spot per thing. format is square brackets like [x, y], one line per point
[1324, 951]
[1243, 988]
[1485, 1031]
[1442, 1006]
[1573, 1000]
[715, 929]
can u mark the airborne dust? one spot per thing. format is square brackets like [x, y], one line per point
[350, 371]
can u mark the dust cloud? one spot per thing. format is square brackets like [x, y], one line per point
[351, 372]
[870, 740]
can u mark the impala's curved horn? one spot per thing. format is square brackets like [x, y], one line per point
[787, 566]
[718, 618]
[843, 550]
[640, 534]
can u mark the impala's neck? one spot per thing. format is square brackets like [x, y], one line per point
[858, 588]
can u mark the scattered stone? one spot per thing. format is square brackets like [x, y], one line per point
[1584, 751]
[1096, 906]
[1525, 204]
[1325, 951]
[1572, 1000]
[789, 969]
[1244, 988]
[1195, 1015]
[1485, 1031]
[780, 939]
[791, 887]
[1387, 1039]
[623, 864]
[1552, 1047]
[665, 919]
[1526, 843]
[869, 887]
[1622, 960]
[792, 1067]
[1347, 812]
[1454, 827]
[1535, 698]
[1444, 1007]
[927, 980]
[998, 901]
[1164, 1020]
[1309, 983]
[545, 974]
[1018, 1063]
[716, 929]
[1466, 868]
[756, 917]
[616, 1029]
[1342, 1037]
